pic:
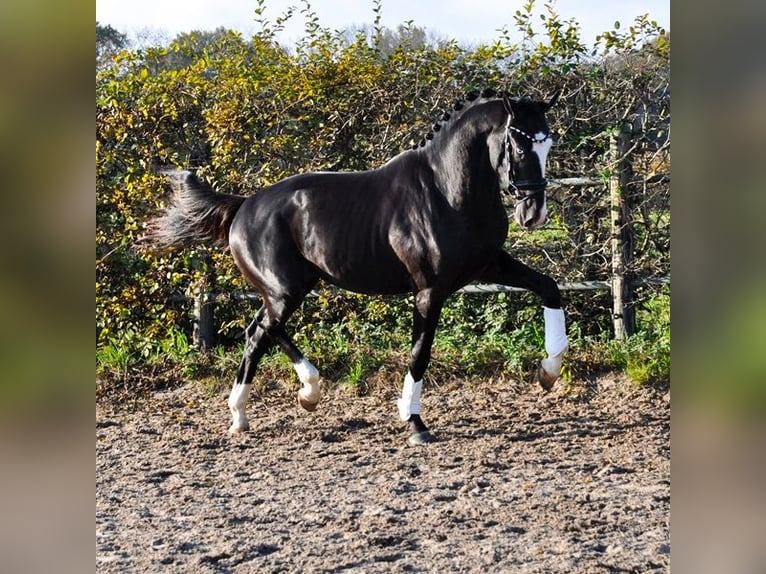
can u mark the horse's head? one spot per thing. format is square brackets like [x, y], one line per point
[527, 142]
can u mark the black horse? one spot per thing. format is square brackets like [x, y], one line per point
[429, 221]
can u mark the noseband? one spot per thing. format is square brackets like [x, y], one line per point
[521, 189]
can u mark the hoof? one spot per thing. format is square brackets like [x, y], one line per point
[420, 433]
[239, 428]
[546, 381]
[308, 405]
[419, 438]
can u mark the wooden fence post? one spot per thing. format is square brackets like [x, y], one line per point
[204, 333]
[623, 312]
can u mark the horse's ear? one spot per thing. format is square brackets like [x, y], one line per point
[507, 104]
[554, 98]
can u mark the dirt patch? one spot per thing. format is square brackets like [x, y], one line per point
[575, 480]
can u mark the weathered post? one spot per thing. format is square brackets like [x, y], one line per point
[204, 333]
[623, 312]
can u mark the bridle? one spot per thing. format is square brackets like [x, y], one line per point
[523, 189]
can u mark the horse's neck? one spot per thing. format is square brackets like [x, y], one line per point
[465, 166]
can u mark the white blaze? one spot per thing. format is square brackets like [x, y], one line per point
[541, 148]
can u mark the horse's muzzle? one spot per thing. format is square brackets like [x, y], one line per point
[529, 216]
[531, 210]
[534, 223]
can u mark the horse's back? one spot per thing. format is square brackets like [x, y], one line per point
[338, 222]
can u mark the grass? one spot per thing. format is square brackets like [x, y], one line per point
[360, 343]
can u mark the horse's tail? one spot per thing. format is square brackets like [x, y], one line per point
[196, 214]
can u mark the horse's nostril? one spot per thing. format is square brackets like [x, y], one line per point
[529, 222]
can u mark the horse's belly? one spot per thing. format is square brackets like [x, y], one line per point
[371, 277]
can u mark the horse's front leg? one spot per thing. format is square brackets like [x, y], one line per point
[428, 305]
[508, 271]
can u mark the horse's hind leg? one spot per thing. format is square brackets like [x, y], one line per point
[280, 309]
[309, 394]
[256, 345]
[266, 330]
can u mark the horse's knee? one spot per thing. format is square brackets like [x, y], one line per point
[550, 293]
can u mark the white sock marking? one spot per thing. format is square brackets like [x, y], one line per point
[307, 372]
[409, 404]
[552, 365]
[237, 403]
[556, 341]
[555, 331]
[309, 376]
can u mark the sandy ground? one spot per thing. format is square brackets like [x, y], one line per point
[574, 480]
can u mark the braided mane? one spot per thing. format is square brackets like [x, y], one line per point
[471, 99]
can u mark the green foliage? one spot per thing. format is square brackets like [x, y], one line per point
[119, 355]
[645, 356]
[246, 112]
